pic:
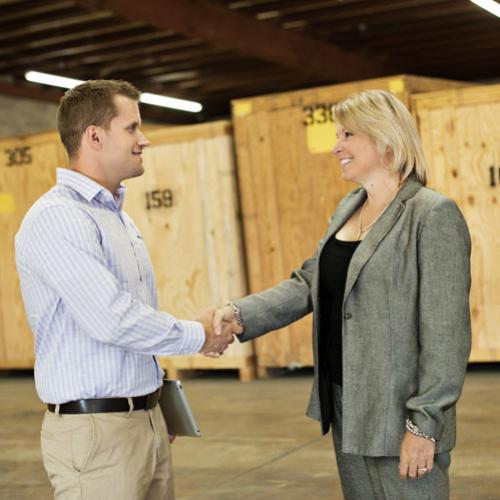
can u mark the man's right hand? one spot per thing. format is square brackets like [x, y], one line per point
[214, 344]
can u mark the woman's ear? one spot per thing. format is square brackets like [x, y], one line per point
[388, 158]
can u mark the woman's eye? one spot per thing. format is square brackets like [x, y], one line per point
[348, 134]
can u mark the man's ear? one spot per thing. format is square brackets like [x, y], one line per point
[92, 137]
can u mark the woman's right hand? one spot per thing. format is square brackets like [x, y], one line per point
[224, 320]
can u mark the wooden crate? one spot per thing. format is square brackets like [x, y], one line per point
[193, 236]
[27, 170]
[187, 210]
[290, 184]
[461, 138]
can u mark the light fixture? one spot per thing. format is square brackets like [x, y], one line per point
[171, 102]
[53, 80]
[489, 5]
[146, 97]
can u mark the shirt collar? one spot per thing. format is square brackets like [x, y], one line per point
[91, 189]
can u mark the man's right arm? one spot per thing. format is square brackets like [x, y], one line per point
[63, 248]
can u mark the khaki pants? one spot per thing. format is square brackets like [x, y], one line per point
[108, 456]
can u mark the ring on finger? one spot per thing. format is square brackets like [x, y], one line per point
[422, 470]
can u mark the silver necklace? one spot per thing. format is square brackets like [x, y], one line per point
[363, 230]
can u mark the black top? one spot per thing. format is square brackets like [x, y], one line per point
[333, 265]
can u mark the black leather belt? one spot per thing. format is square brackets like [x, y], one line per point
[107, 405]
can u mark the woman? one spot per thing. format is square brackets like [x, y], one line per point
[389, 290]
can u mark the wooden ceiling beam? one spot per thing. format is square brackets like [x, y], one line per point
[108, 34]
[470, 68]
[9, 36]
[236, 32]
[21, 13]
[389, 12]
[394, 33]
[63, 34]
[105, 65]
[145, 44]
[452, 43]
[456, 55]
[217, 63]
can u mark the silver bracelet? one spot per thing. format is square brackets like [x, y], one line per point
[411, 427]
[236, 313]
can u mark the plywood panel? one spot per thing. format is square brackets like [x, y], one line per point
[461, 137]
[194, 237]
[195, 240]
[290, 184]
[27, 170]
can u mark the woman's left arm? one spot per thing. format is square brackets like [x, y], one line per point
[444, 249]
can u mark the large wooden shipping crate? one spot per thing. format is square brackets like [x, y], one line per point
[290, 184]
[185, 205]
[186, 208]
[460, 133]
[27, 170]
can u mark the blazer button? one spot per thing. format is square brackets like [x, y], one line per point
[347, 315]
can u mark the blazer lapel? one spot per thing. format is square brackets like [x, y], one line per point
[342, 215]
[377, 233]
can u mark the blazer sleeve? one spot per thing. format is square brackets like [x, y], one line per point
[281, 304]
[444, 325]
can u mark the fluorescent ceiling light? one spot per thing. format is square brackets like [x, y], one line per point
[171, 102]
[54, 80]
[489, 5]
[147, 98]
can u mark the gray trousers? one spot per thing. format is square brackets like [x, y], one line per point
[377, 478]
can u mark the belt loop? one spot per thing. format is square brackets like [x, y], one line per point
[57, 410]
[130, 406]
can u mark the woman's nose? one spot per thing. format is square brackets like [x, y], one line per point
[337, 149]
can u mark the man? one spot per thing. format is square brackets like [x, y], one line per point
[90, 297]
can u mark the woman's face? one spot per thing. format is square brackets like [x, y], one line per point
[358, 155]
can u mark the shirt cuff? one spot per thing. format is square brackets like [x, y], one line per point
[193, 337]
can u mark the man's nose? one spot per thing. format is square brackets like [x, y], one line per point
[143, 142]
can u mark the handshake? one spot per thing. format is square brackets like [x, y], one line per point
[220, 327]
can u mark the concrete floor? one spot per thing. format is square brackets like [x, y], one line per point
[257, 442]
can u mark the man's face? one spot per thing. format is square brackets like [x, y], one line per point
[123, 142]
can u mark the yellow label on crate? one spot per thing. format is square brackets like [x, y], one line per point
[396, 86]
[321, 137]
[6, 203]
[242, 108]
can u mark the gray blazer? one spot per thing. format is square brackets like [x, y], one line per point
[406, 330]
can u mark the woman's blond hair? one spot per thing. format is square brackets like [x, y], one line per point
[386, 120]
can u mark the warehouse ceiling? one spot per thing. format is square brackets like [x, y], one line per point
[212, 51]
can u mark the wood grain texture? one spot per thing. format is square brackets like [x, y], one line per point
[27, 170]
[288, 191]
[195, 245]
[461, 137]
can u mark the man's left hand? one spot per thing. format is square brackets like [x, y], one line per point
[417, 456]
